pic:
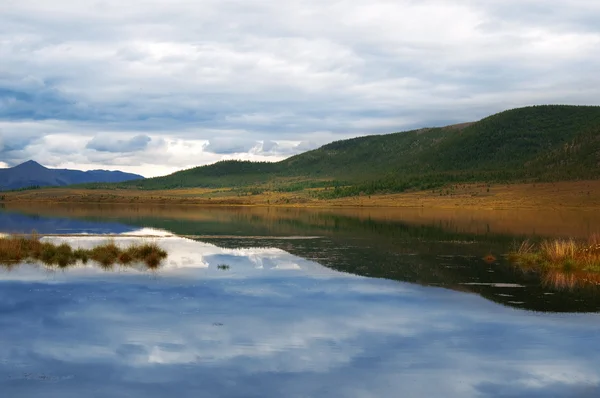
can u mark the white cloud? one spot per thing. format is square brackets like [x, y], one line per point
[254, 72]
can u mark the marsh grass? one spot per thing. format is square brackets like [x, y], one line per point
[106, 255]
[223, 267]
[149, 253]
[562, 263]
[18, 249]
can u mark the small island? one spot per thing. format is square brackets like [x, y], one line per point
[31, 248]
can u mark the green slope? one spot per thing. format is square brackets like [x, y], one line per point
[506, 142]
[540, 143]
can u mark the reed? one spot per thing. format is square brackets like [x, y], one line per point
[563, 263]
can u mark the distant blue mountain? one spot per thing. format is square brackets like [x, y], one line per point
[31, 174]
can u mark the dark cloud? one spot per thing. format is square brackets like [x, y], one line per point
[106, 144]
[41, 103]
[14, 147]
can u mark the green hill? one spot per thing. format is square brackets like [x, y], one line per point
[540, 143]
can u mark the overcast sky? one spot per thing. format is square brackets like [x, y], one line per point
[156, 86]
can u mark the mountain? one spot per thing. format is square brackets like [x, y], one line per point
[539, 143]
[33, 174]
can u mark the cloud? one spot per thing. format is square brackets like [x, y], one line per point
[105, 144]
[285, 148]
[229, 145]
[272, 72]
[268, 146]
[305, 146]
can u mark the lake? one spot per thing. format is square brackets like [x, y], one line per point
[288, 302]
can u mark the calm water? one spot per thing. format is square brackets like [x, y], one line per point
[320, 303]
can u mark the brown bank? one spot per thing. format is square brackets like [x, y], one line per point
[578, 194]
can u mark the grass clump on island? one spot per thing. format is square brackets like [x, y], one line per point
[562, 263]
[18, 249]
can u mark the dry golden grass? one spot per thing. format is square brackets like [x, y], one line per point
[562, 263]
[16, 249]
[560, 195]
[559, 250]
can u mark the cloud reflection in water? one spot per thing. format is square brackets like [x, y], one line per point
[275, 325]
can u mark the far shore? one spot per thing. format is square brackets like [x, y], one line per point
[560, 195]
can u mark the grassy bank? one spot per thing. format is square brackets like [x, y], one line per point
[562, 263]
[19, 249]
[572, 194]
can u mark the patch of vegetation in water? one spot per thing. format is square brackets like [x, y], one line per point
[18, 249]
[223, 267]
[561, 263]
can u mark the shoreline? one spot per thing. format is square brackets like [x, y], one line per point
[560, 195]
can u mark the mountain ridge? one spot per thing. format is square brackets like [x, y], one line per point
[32, 174]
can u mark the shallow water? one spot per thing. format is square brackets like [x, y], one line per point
[364, 306]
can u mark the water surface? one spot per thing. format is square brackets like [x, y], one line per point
[314, 303]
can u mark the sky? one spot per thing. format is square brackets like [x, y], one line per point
[153, 87]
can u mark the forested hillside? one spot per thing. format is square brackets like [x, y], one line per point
[541, 143]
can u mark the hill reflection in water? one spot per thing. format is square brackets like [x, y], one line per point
[404, 246]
